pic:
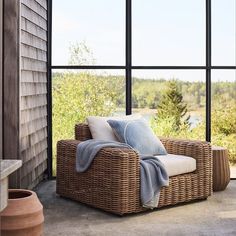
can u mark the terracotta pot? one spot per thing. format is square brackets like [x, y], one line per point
[23, 215]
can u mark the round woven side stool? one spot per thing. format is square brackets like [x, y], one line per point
[221, 170]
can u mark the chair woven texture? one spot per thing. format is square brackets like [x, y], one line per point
[112, 183]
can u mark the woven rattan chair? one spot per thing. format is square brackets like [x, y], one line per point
[112, 182]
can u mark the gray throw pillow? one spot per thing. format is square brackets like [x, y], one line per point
[138, 135]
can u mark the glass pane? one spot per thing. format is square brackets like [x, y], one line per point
[169, 32]
[78, 94]
[223, 32]
[172, 101]
[88, 32]
[224, 113]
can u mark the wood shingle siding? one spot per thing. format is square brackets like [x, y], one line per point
[34, 177]
[33, 53]
[30, 102]
[28, 64]
[36, 7]
[33, 91]
[33, 163]
[28, 153]
[33, 139]
[25, 88]
[33, 29]
[33, 114]
[1, 100]
[33, 126]
[33, 41]
[32, 76]
[42, 3]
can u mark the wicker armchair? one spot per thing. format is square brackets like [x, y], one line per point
[112, 182]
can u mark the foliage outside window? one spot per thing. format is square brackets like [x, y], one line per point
[174, 106]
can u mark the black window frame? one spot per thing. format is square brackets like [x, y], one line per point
[128, 67]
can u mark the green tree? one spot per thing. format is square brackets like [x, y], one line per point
[172, 106]
[76, 96]
[81, 54]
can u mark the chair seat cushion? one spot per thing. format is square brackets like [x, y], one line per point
[178, 164]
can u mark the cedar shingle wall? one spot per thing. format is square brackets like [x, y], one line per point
[33, 91]
[1, 110]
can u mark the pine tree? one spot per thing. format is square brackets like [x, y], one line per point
[172, 105]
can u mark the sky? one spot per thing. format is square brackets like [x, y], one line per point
[165, 32]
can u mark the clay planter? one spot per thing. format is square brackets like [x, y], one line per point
[23, 216]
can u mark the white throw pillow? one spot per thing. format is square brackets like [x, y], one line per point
[101, 130]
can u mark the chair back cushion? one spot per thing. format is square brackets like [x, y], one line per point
[101, 130]
[138, 135]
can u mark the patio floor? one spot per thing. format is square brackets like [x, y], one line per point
[216, 216]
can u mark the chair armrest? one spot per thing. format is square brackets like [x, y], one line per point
[199, 150]
[196, 149]
[113, 176]
[67, 148]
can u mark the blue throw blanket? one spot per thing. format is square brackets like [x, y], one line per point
[153, 174]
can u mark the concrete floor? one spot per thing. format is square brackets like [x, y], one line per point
[215, 216]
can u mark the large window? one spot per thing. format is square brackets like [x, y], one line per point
[80, 93]
[167, 33]
[224, 113]
[173, 101]
[223, 81]
[171, 61]
[98, 27]
[223, 33]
